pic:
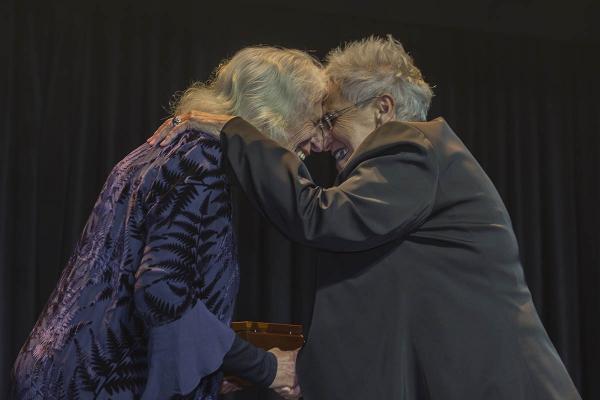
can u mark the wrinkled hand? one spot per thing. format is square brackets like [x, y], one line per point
[289, 393]
[228, 387]
[286, 381]
[196, 120]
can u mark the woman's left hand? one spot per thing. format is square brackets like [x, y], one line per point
[194, 120]
[229, 387]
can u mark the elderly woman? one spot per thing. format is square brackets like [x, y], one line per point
[421, 293]
[142, 309]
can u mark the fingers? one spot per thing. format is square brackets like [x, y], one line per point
[295, 392]
[160, 132]
[289, 393]
[167, 132]
[197, 120]
[276, 350]
[229, 387]
[174, 132]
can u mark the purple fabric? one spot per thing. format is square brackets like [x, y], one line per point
[142, 310]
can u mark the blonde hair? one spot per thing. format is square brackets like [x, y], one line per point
[272, 88]
[374, 66]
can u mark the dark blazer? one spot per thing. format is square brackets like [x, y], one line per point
[421, 293]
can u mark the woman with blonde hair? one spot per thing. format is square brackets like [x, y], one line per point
[143, 307]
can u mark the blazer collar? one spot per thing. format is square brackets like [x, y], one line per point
[382, 141]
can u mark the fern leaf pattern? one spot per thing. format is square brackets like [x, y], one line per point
[156, 255]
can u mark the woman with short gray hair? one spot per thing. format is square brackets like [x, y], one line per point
[420, 292]
[374, 66]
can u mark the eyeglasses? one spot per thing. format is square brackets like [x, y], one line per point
[328, 119]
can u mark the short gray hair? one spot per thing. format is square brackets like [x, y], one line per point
[268, 86]
[374, 66]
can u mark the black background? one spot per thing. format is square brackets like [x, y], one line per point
[82, 84]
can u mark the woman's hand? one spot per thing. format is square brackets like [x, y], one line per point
[289, 393]
[194, 120]
[286, 382]
[229, 387]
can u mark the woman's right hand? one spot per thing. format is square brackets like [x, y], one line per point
[193, 120]
[229, 387]
[286, 383]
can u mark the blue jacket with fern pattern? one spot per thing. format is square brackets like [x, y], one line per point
[142, 310]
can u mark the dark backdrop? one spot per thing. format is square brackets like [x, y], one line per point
[82, 84]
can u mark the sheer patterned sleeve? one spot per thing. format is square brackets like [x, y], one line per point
[181, 289]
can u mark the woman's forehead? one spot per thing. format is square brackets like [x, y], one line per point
[334, 99]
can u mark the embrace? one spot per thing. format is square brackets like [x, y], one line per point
[417, 252]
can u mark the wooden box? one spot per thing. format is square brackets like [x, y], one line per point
[267, 335]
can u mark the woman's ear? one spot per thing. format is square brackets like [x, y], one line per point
[386, 107]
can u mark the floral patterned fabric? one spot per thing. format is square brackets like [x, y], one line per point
[142, 310]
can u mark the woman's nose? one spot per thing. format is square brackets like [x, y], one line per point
[321, 141]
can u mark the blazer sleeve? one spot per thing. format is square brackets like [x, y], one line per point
[388, 188]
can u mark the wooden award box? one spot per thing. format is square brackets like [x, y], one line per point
[267, 335]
